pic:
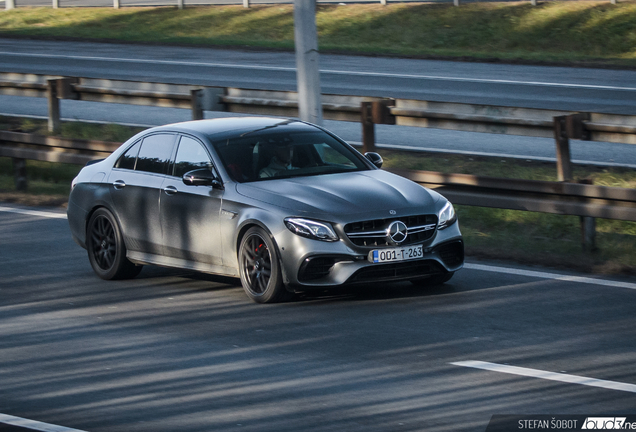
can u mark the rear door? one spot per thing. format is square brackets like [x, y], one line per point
[136, 183]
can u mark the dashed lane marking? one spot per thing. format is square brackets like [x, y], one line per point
[552, 376]
[37, 213]
[34, 425]
[554, 276]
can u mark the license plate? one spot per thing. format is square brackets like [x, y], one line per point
[396, 254]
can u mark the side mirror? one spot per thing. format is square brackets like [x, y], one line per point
[202, 177]
[375, 159]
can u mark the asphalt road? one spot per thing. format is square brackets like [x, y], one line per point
[540, 87]
[179, 351]
[595, 90]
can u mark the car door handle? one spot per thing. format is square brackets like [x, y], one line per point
[119, 184]
[170, 190]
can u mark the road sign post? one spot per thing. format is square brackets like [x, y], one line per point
[307, 67]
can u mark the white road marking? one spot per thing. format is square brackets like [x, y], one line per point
[552, 376]
[324, 71]
[37, 213]
[34, 425]
[470, 266]
[555, 276]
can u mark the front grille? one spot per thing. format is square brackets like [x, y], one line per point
[373, 232]
[397, 271]
[452, 254]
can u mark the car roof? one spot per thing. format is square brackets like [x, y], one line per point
[216, 128]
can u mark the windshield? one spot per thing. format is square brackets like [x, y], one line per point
[282, 152]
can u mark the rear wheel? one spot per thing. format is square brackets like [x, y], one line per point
[433, 281]
[259, 267]
[106, 249]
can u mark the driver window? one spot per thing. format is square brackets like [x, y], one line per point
[190, 156]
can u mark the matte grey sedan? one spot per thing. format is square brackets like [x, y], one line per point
[284, 205]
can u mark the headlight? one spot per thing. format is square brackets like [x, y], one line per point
[447, 216]
[311, 229]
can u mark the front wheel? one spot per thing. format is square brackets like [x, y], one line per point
[106, 249]
[259, 267]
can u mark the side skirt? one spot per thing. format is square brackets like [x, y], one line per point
[160, 260]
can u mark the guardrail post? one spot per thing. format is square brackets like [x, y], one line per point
[564, 164]
[54, 105]
[9, 4]
[196, 100]
[20, 174]
[588, 227]
[372, 113]
[456, 2]
[56, 4]
[246, 3]
[180, 4]
[368, 127]
[116, 4]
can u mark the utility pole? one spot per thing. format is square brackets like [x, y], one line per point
[307, 69]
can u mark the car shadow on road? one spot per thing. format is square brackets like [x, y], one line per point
[358, 292]
[379, 291]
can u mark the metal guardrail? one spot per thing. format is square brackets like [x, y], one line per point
[456, 116]
[551, 197]
[528, 195]
[21, 145]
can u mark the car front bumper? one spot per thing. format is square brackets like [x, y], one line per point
[309, 264]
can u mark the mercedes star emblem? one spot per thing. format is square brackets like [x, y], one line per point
[397, 232]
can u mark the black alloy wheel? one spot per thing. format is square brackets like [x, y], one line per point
[259, 267]
[106, 249]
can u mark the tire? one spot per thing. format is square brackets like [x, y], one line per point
[106, 249]
[259, 267]
[433, 281]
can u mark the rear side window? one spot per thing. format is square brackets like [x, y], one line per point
[128, 159]
[155, 153]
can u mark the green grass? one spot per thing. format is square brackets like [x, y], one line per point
[525, 237]
[554, 31]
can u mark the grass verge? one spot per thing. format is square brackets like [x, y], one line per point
[559, 31]
[524, 237]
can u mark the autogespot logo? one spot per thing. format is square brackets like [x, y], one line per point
[606, 423]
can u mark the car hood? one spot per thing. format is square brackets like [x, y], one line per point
[345, 193]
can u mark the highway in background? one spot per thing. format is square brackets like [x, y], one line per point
[179, 351]
[594, 90]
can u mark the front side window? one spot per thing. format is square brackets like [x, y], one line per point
[190, 156]
[155, 153]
